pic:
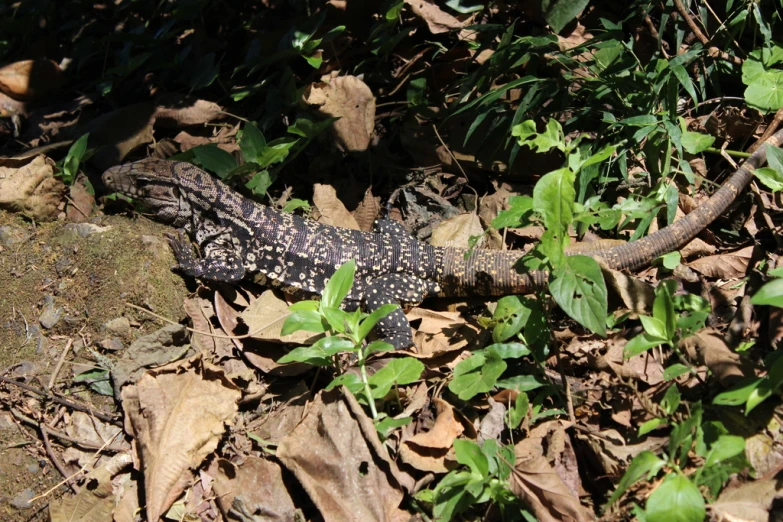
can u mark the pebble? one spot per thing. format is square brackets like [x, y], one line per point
[119, 326]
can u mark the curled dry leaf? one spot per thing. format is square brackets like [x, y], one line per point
[265, 316]
[335, 461]
[177, 414]
[750, 502]
[433, 450]
[118, 132]
[95, 502]
[347, 98]
[31, 189]
[725, 266]
[332, 210]
[30, 79]
[200, 311]
[174, 111]
[708, 347]
[438, 21]
[256, 486]
[457, 231]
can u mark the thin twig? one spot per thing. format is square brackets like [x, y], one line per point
[62, 436]
[55, 460]
[59, 365]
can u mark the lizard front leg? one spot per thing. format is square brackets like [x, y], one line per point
[394, 289]
[220, 263]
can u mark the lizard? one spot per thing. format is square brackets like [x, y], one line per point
[239, 237]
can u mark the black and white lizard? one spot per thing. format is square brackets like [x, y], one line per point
[239, 237]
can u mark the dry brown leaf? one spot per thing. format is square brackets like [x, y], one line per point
[432, 450]
[537, 484]
[10, 107]
[187, 141]
[347, 98]
[440, 332]
[331, 456]
[127, 501]
[81, 205]
[708, 347]
[89, 429]
[697, 248]
[332, 210]
[174, 111]
[636, 295]
[254, 487]
[265, 317]
[177, 414]
[30, 79]
[456, 231]
[438, 21]
[118, 132]
[750, 502]
[725, 266]
[200, 311]
[95, 502]
[368, 211]
[31, 189]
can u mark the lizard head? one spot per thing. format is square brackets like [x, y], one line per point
[151, 182]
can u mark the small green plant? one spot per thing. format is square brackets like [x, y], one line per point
[678, 496]
[486, 478]
[77, 154]
[346, 333]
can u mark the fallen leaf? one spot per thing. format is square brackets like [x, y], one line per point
[438, 21]
[708, 347]
[174, 111]
[81, 205]
[347, 98]
[725, 266]
[265, 317]
[368, 211]
[30, 79]
[200, 311]
[254, 487]
[332, 210]
[31, 189]
[432, 450]
[750, 502]
[118, 132]
[177, 414]
[333, 459]
[440, 332]
[457, 231]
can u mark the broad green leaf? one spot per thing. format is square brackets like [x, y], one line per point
[650, 425]
[469, 454]
[521, 383]
[477, 374]
[378, 346]
[214, 159]
[352, 381]
[307, 320]
[579, 289]
[671, 399]
[553, 199]
[671, 260]
[261, 182]
[251, 143]
[770, 294]
[696, 142]
[513, 314]
[518, 412]
[336, 318]
[674, 371]
[276, 151]
[726, 447]
[739, 393]
[385, 426]
[397, 371]
[765, 93]
[640, 344]
[294, 204]
[768, 385]
[465, 6]
[558, 13]
[339, 285]
[515, 216]
[371, 320]
[645, 463]
[677, 499]
[663, 309]
[654, 327]
[774, 158]
[510, 350]
[770, 178]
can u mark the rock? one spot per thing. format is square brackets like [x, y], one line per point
[51, 314]
[22, 500]
[86, 229]
[119, 326]
[113, 344]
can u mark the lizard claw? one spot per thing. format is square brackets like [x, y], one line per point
[180, 245]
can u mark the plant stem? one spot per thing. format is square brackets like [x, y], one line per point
[367, 390]
[736, 153]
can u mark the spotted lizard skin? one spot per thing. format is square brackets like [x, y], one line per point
[238, 237]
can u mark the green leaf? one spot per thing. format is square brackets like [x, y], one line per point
[512, 314]
[726, 447]
[677, 499]
[553, 199]
[336, 318]
[378, 346]
[671, 260]
[696, 142]
[671, 399]
[765, 93]
[465, 6]
[768, 385]
[477, 374]
[559, 13]
[521, 383]
[770, 294]
[510, 350]
[352, 381]
[663, 309]
[469, 454]
[774, 158]
[739, 393]
[417, 92]
[214, 159]
[640, 344]
[516, 215]
[276, 151]
[674, 371]
[319, 354]
[252, 142]
[386, 425]
[397, 371]
[653, 327]
[294, 204]
[307, 320]
[579, 289]
[770, 178]
[518, 412]
[645, 463]
[650, 425]
[371, 320]
[339, 285]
